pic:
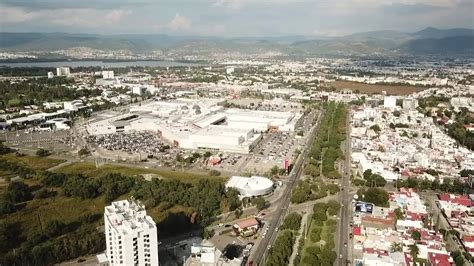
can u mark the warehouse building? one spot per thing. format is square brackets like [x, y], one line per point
[196, 125]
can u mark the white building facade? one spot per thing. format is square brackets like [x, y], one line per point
[131, 235]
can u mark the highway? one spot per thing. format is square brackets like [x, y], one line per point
[258, 256]
[345, 200]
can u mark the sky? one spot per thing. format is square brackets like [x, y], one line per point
[233, 18]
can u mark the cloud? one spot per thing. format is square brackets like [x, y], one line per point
[179, 23]
[78, 17]
[12, 14]
[400, 8]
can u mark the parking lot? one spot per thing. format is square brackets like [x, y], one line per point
[58, 140]
[133, 142]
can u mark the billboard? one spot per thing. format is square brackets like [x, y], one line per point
[364, 207]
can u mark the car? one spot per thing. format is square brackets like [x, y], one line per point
[227, 225]
[351, 235]
[221, 224]
[276, 229]
[340, 256]
[81, 260]
[345, 245]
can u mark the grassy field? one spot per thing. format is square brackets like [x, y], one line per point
[89, 169]
[35, 162]
[375, 88]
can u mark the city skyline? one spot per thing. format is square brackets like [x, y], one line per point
[233, 18]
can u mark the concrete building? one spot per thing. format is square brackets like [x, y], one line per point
[50, 75]
[109, 74]
[389, 102]
[410, 104]
[63, 71]
[229, 70]
[131, 235]
[197, 125]
[250, 186]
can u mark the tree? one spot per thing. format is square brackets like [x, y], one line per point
[54, 228]
[292, 221]
[238, 212]
[6, 206]
[396, 113]
[4, 149]
[398, 213]
[233, 200]
[42, 153]
[416, 235]
[274, 170]
[414, 251]
[206, 233]
[259, 203]
[396, 247]
[18, 191]
[374, 195]
[375, 128]
[83, 152]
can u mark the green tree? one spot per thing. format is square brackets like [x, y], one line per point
[376, 196]
[259, 202]
[83, 152]
[292, 221]
[399, 213]
[6, 206]
[18, 191]
[42, 153]
[396, 247]
[414, 251]
[416, 235]
[375, 128]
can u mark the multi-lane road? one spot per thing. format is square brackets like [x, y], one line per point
[346, 203]
[258, 257]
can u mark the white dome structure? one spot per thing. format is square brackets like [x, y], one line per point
[250, 186]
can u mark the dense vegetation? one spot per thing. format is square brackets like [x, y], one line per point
[377, 196]
[370, 179]
[68, 237]
[327, 145]
[38, 91]
[292, 221]
[312, 189]
[459, 132]
[318, 249]
[448, 185]
[280, 252]
[461, 118]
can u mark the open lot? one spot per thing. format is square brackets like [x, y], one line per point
[89, 169]
[35, 162]
[375, 88]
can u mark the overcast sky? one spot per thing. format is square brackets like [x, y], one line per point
[232, 18]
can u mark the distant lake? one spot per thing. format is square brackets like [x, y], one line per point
[107, 64]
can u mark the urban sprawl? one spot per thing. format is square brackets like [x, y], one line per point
[238, 162]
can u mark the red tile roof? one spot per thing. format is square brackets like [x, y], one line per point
[439, 259]
[467, 238]
[247, 223]
[459, 199]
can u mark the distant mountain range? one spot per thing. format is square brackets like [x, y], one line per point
[430, 41]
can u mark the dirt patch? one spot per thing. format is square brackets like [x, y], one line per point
[375, 88]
